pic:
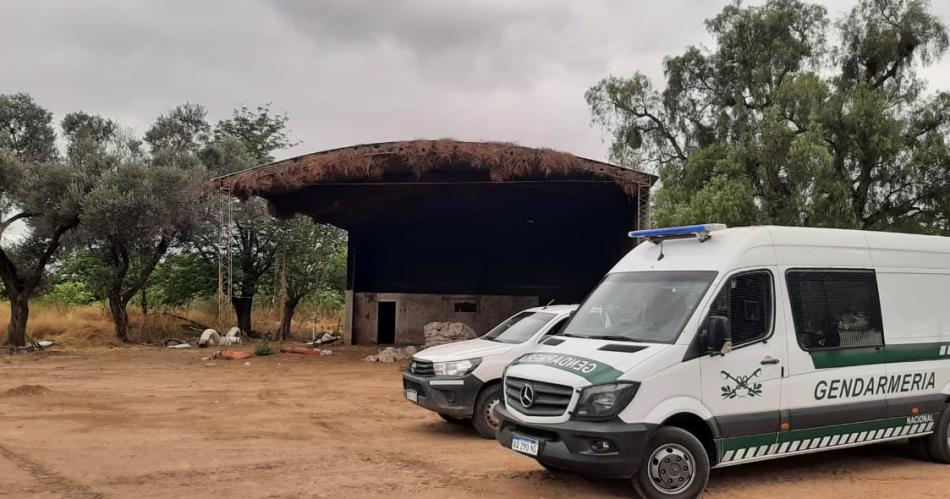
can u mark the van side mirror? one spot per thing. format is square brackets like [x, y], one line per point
[717, 334]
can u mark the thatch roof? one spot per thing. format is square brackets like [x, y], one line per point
[417, 158]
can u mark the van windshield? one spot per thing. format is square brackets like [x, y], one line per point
[640, 306]
[519, 328]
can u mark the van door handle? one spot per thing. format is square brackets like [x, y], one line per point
[769, 361]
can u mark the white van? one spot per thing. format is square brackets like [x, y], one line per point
[462, 381]
[711, 347]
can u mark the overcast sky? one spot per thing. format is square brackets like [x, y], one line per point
[355, 71]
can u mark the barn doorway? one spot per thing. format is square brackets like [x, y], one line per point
[386, 323]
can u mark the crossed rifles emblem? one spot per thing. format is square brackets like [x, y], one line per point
[741, 386]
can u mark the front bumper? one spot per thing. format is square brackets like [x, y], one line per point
[567, 445]
[451, 396]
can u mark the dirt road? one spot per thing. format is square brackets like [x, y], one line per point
[136, 422]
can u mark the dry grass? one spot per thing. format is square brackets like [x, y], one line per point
[91, 326]
[503, 162]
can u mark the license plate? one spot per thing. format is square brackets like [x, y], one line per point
[523, 445]
[412, 396]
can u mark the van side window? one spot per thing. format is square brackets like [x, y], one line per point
[746, 300]
[835, 308]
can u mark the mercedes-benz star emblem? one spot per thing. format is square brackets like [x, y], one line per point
[527, 396]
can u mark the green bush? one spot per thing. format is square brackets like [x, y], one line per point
[70, 293]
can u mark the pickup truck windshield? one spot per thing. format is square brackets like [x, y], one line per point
[640, 306]
[519, 328]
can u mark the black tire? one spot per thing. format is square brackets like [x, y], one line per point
[677, 454]
[919, 449]
[453, 419]
[552, 469]
[939, 442]
[484, 419]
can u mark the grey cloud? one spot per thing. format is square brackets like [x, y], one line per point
[353, 71]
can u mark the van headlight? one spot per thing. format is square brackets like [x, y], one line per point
[600, 402]
[456, 367]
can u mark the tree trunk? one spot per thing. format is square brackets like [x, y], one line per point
[242, 308]
[144, 300]
[287, 317]
[120, 317]
[19, 314]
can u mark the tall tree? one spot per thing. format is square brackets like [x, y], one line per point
[131, 219]
[143, 204]
[245, 140]
[777, 124]
[312, 258]
[41, 191]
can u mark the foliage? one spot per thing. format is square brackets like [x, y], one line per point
[259, 131]
[70, 293]
[264, 349]
[776, 124]
[26, 129]
[138, 209]
[312, 259]
[44, 192]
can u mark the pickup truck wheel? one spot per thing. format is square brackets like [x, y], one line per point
[939, 442]
[453, 419]
[485, 419]
[676, 466]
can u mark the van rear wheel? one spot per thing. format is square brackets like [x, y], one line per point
[939, 442]
[676, 467]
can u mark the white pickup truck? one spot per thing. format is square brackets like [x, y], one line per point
[462, 381]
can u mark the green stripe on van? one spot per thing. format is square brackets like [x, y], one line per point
[769, 445]
[592, 370]
[888, 354]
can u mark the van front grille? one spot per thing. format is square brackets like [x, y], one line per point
[544, 399]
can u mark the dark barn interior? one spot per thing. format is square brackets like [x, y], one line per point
[455, 231]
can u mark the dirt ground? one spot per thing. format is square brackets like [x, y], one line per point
[141, 422]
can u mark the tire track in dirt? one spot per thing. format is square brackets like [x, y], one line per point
[54, 482]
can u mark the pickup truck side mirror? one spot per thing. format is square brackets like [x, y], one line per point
[717, 334]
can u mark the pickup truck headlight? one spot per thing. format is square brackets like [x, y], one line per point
[599, 402]
[456, 368]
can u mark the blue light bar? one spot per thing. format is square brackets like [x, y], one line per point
[701, 231]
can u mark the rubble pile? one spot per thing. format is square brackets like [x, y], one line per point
[440, 333]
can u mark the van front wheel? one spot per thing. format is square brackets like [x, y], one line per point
[676, 466]
[939, 443]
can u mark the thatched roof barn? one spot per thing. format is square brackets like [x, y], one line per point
[443, 230]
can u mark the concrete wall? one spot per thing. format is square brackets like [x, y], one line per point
[415, 310]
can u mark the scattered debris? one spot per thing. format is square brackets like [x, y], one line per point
[326, 339]
[247, 363]
[302, 351]
[209, 337]
[390, 355]
[211, 364]
[236, 355]
[179, 346]
[233, 337]
[27, 391]
[439, 333]
[36, 346]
